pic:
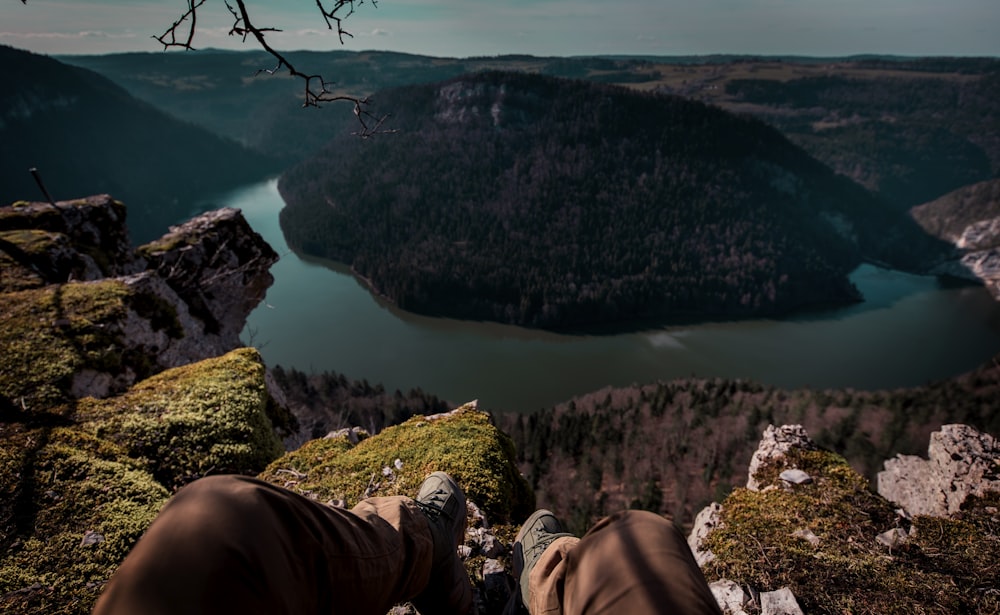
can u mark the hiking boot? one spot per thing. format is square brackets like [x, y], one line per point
[537, 533]
[449, 589]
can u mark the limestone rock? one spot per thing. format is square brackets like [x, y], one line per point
[980, 235]
[352, 434]
[94, 226]
[707, 520]
[75, 298]
[776, 443]
[218, 265]
[893, 538]
[730, 596]
[961, 462]
[780, 602]
[795, 477]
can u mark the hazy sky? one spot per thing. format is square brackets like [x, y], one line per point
[541, 27]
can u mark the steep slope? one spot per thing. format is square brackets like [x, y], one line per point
[555, 203]
[969, 218]
[911, 130]
[950, 216]
[87, 135]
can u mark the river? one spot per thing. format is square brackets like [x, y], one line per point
[318, 317]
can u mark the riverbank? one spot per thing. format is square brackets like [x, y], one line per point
[910, 330]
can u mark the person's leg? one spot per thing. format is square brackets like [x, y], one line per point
[236, 544]
[631, 562]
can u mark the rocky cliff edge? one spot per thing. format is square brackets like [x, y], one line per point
[808, 534]
[121, 380]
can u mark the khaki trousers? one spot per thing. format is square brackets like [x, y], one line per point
[633, 562]
[233, 544]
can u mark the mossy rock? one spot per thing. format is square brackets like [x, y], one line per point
[847, 571]
[76, 506]
[49, 334]
[205, 418]
[16, 276]
[463, 443]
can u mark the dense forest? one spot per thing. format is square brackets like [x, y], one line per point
[88, 136]
[556, 203]
[910, 138]
[672, 447]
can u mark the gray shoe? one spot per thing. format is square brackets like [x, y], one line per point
[537, 533]
[449, 589]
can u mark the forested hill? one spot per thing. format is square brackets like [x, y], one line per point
[556, 203]
[89, 136]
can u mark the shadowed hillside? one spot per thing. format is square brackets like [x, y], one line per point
[556, 204]
[88, 135]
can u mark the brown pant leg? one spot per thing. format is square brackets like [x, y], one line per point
[634, 562]
[233, 544]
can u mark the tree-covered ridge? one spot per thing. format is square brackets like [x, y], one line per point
[909, 136]
[555, 203]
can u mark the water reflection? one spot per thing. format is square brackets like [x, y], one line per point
[319, 317]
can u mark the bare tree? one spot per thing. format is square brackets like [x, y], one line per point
[181, 34]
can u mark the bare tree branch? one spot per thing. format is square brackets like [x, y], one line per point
[316, 89]
[192, 15]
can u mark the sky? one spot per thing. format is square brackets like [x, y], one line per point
[460, 28]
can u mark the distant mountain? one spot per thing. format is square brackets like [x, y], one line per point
[554, 203]
[909, 129]
[89, 136]
[223, 91]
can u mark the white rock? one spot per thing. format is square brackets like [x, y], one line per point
[893, 538]
[780, 602]
[730, 596]
[961, 462]
[796, 477]
[775, 444]
[704, 523]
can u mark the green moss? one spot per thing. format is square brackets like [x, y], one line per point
[847, 571]
[71, 484]
[32, 241]
[48, 334]
[166, 243]
[187, 422]
[465, 444]
[16, 277]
